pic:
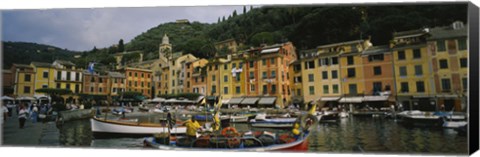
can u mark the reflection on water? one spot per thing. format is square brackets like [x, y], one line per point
[368, 135]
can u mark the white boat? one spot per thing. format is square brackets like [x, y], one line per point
[422, 118]
[235, 118]
[328, 116]
[343, 114]
[261, 121]
[112, 128]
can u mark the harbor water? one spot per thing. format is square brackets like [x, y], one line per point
[350, 135]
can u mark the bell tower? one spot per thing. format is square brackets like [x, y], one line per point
[165, 50]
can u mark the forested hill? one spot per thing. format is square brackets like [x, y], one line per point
[305, 26]
[24, 53]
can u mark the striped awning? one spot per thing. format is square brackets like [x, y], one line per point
[235, 100]
[249, 101]
[267, 101]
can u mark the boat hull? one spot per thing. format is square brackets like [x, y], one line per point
[273, 123]
[101, 128]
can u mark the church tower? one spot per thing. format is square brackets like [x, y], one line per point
[165, 50]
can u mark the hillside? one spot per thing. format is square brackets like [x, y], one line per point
[24, 53]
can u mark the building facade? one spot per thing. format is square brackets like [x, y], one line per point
[44, 77]
[23, 80]
[138, 80]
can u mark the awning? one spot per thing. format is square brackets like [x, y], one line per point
[200, 98]
[26, 98]
[171, 100]
[329, 98]
[249, 101]
[422, 96]
[225, 101]
[267, 101]
[7, 98]
[211, 98]
[375, 98]
[157, 100]
[447, 96]
[270, 50]
[351, 100]
[235, 100]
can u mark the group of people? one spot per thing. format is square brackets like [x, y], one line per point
[26, 111]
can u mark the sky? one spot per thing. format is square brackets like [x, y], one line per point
[82, 29]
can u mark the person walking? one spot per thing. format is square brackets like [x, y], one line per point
[5, 113]
[22, 116]
[34, 113]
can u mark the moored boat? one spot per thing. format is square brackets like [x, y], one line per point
[262, 121]
[244, 142]
[328, 116]
[102, 128]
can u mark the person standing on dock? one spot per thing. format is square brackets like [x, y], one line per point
[22, 116]
[192, 127]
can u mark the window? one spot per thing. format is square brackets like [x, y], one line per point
[44, 86]
[462, 44]
[250, 64]
[129, 73]
[214, 89]
[251, 75]
[350, 60]
[100, 90]
[129, 83]
[452, 45]
[311, 78]
[299, 92]
[441, 45]
[59, 75]
[142, 75]
[417, 54]
[216, 67]
[77, 88]
[137, 74]
[443, 64]
[324, 75]
[377, 87]
[225, 90]
[91, 89]
[334, 74]
[323, 62]
[225, 66]
[264, 75]
[463, 62]
[335, 88]
[352, 89]
[403, 71]
[100, 80]
[351, 72]
[141, 84]
[26, 89]
[311, 90]
[240, 65]
[225, 78]
[188, 74]
[377, 70]
[252, 87]
[273, 74]
[310, 65]
[325, 89]
[28, 78]
[213, 77]
[464, 84]
[274, 88]
[45, 74]
[173, 83]
[265, 89]
[264, 61]
[334, 60]
[378, 57]
[272, 61]
[418, 70]
[115, 80]
[446, 85]
[77, 76]
[58, 85]
[237, 89]
[420, 86]
[404, 87]
[297, 79]
[68, 86]
[401, 55]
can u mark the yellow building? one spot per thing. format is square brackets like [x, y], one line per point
[413, 76]
[23, 80]
[449, 55]
[296, 88]
[44, 77]
[68, 76]
[351, 69]
[198, 76]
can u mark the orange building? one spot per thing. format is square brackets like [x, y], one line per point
[138, 80]
[378, 75]
[95, 84]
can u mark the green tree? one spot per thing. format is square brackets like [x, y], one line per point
[262, 38]
[234, 13]
[244, 10]
[121, 46]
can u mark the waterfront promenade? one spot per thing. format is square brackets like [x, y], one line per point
[33, 134]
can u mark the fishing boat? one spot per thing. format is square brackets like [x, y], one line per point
[235, 118]
[328, 116]
[249, 141]
[422, 118]
[102, 128]
[261, 121]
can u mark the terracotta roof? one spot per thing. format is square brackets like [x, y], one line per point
[376, 50]
[64, 62]
[447, 32]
